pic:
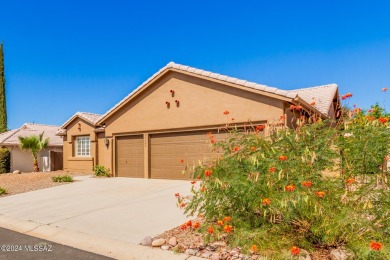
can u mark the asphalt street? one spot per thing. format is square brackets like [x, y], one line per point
[15, 246]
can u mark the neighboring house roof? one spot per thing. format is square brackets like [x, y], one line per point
[89, 117]
[290, 94]
[28, 129]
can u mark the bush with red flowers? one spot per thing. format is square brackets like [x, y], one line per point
[280, 196]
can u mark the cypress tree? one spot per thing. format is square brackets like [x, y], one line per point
[3, 108]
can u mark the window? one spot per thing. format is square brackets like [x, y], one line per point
[83, 146]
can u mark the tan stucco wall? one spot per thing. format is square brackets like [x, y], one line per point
[104, 152]
[202, 103]
[201, 106]
[72, 163]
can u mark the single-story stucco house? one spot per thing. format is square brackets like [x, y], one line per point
[49, 159]
[166, 120]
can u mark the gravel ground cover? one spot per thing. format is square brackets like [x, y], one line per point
[19, 183]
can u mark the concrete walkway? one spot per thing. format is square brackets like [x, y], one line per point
[105, 216]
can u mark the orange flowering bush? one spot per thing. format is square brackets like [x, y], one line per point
[280, 196]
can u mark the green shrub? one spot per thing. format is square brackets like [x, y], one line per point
[64, 178]
[2, 191]
[100, 170]
[5, 160]
[271, 191]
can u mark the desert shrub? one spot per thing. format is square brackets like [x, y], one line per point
[270, 191]
[2, 191]
[5, 160]
[64, 178]
[100, 170]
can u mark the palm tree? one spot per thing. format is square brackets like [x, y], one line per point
[34, 144]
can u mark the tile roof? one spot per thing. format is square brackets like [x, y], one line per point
[11, 137]
[245, 83]
[89, 117]
[322, 96]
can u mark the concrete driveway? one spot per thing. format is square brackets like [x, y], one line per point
[121, 209]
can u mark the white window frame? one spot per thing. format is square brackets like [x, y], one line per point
[83, 146]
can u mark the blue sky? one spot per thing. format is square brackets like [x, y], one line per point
[66, 56]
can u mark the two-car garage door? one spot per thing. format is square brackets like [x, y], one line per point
[168, 154]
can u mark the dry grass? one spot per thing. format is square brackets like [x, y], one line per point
[25, 182]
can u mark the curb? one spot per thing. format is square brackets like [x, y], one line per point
[116, 249]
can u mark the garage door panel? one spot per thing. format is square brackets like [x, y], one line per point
[168, 149]
[130, 156]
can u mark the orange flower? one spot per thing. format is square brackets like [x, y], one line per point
[384, 89]
[377, 246]
[307, 184]
[348, 95]
[370, 118]
[295, 250]
[226, 112]
[203, 189]
[181, 161]
[209, 133]
[196, 225]
[227, 218]
[254, 248]
[211, 230]
[253, 148]
[312, 103]
[272, 169]
[220, 222]
[266, 201]
[228, 228]
[235, 148]
[260, 128]
[213, 141]
[189, 223]
[183, 227]
[193, 182]
[233, 119]
[383, 120]
[290, 187]
[282, 158]
[177, 195]
[350, 181]
[208, 173]
[182, 205]
[320, 194]
[198, 177]
[282, 117]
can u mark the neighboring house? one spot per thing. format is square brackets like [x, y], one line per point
[49, 159]
[167, 118]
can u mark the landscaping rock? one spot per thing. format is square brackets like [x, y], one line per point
[165, 247]
[340, 254]
[304, 255]
[17, 172]
[219, 244]
[147, 241]
[210, 248]
[206, 255]
[215, 256]
[172, 241]
[158, 242]
[191, 252]
[179, 248]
